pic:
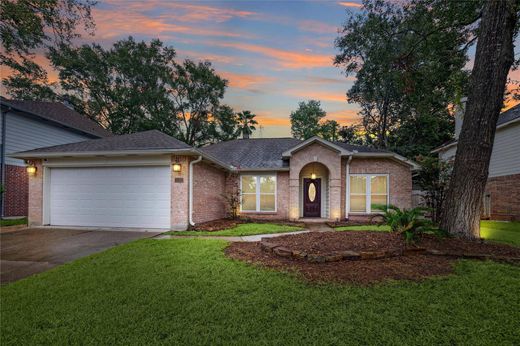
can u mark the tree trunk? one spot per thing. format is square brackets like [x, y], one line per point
[494, 56]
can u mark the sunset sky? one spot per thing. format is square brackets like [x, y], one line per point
[274, 53]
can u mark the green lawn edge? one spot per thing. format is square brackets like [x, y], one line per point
[244, 229]
[13, 222]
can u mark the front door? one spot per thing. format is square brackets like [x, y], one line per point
[311, 197]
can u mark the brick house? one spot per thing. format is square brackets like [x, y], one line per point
[502, 195]
[151, 180]
[27, 125]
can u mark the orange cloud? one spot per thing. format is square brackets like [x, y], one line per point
[245, 81]
[345, 117]
[110, 23]
[350, 4]
[317, 26]
[284, 58]
[319, 95]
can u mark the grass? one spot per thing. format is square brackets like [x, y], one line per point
[243, 230]
[504, 232]
[185, 291]
[13, 222]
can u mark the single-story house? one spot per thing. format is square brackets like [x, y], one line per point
[27, 125]
[151, 180]
[502, 194]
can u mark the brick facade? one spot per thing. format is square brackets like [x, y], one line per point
[209, 185]
[16, 191]
[504, 193]
[35, 204]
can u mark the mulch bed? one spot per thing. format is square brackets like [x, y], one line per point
[414, 267]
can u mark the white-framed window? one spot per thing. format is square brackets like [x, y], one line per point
[258, 193]
[366, 190]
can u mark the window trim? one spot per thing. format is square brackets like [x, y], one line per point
[368, 193]
[258, 193]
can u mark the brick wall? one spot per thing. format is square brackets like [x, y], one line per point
[35, 204]
[208, 187]
[505, 197]
[16, 191]
[400, 176]
[179, 218]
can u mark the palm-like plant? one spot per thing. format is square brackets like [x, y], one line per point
[408, 222]
[246, 123]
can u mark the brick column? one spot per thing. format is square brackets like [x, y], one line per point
[35, 203]
[179, 194]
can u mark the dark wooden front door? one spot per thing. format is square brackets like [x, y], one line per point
[311, 197]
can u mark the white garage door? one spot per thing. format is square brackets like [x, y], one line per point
[110, 197]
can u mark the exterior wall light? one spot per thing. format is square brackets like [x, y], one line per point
[31, 170]
[177, 167]
[313, 176]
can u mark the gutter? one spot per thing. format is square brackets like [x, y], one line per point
[347, 189]
[190, 193]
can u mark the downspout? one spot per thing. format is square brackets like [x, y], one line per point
[190, 193]
[347, 188]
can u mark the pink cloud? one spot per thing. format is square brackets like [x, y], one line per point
[317, 26]
[245, 81]
[350, 4]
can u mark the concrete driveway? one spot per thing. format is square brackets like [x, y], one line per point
[34, 250]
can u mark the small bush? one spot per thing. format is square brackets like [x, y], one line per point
[408, 222]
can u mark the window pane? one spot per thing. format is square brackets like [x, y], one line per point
[378, 199]
[358, 184]
[267, 184]
[358, 203]
[249, 202]
[378, 185]
[248, 184]
[267, 203]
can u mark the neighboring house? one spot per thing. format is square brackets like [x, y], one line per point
[27, 125]
[151, 180]
[502, 195]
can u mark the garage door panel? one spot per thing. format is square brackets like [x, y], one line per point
[111, 197]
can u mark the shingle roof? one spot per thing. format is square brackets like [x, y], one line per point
[510, 114]
[360, 148]
[252, 153]
[147, 140]
[257, 153]
[58, 113]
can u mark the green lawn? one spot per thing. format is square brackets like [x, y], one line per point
[244, 229]
[13, 222]
[505, 232]
[186, 292]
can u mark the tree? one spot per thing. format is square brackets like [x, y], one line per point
[305, 121]
[329, 130]
[493, 60]
[125, 88]
[408, 60]
[136, 86]
[247, 123]
[433, 178]
[351, 134]
[37, 25]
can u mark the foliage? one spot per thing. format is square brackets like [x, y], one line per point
[158, 288]
[34, 26]
[136, 86]
[305, 121]
[13, 222]
[408, 222]
[233, 196]
[433, 178]
[243, 230]
[351, 134]
[329, 130]
[247, 123]
[408, 59]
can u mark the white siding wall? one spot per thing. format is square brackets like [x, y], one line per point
[25, 134]
[505, 159]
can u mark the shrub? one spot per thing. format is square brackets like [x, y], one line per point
[408, 222]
